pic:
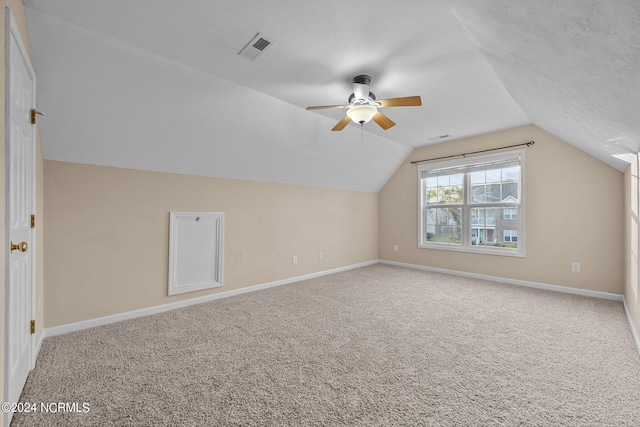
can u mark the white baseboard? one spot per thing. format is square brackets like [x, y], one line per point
[36, 352]
[526, 283]
[99, 321]
[634, 331]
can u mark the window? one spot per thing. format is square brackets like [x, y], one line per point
[473, 204]
[510, 235]
[509, 213]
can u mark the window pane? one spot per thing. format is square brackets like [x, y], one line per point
[493, 193]
[443, 225]
[495, 186]
[457, 179]
[431, 182]
[477, 194]
[490, 216]
[449, 195]
[478, 177]
[510, 184]
[483, 226]
[444, 189]
[475, 216]
[478, 236]
[510, 192]
[511, 174]
[431, 196]
[430, 219]
[494, 175]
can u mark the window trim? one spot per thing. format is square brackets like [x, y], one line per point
[466, 245]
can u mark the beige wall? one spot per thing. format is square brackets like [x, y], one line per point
[574, 212]
[17, 9]
[107, 234]
[632, 240]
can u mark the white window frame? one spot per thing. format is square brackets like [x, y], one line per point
[466, 243]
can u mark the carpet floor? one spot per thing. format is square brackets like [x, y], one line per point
[374, 346]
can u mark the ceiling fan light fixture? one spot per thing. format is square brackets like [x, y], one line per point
[363, 106]
[362, 113]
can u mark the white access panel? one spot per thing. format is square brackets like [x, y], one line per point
[195, 251]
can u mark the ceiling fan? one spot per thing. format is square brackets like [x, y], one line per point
[363, 106]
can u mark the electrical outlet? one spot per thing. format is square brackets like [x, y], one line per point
[321, 255]
[575, 267]
[294, 260]
[395, 248]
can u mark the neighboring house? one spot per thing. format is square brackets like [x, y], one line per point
[494, 226]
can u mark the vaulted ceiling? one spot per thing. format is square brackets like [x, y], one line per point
[159, 85]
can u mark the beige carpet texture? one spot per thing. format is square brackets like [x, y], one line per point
[374, 346]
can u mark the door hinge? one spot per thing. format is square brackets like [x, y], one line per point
[33, 326]
[33, 221]
[34, 114]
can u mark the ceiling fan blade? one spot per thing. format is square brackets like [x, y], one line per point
[342, 123]
[407, 101]
[322, 107]
[383, 121]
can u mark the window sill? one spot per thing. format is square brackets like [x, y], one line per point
[483, 250]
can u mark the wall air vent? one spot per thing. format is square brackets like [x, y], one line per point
[256, 47]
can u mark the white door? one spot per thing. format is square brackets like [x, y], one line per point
[20, 152]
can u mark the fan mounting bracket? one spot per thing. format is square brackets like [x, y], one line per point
[362, 79]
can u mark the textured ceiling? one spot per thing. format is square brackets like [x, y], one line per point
[573, 66]
[158, 85]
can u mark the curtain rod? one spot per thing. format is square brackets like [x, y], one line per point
[474, 152]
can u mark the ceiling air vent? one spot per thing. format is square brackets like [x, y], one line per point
[256, 47]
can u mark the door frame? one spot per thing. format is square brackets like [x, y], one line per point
[12, 32]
